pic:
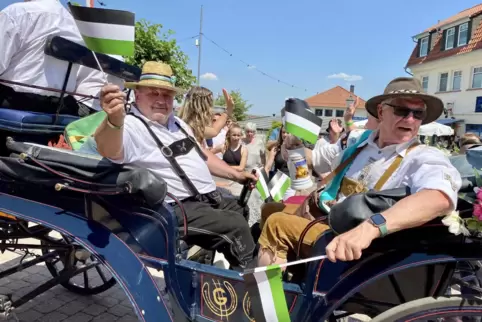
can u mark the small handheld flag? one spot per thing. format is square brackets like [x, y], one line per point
[265, 289]
[262, 184]
[278, 185]
[301, 121]
[106, 31]
[266, 292]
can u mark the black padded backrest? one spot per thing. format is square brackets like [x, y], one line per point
[72, 52]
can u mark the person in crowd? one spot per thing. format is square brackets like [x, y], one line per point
[24, 30]
[426, 171]
[220, 139]
[197, 113]
[467, 141]
[214, 223]
[255, 147]
[233, 151]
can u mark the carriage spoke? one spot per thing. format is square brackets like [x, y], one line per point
[101, 274]
[86, 279]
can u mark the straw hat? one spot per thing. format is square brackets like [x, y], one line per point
[411, 87]
[156, 74]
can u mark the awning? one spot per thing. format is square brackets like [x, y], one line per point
[448, 121]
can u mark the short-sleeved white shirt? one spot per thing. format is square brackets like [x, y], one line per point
[141, 151]
[422, 168]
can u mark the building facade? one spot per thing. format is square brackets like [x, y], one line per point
[448, 61]
[333, 103]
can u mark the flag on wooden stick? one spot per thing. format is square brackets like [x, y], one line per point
[106, 31]
[301, 121]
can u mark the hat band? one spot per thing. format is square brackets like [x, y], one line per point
[168, 79]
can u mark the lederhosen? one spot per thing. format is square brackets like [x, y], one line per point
[176, 149]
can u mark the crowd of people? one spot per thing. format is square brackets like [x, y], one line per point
[198, 150]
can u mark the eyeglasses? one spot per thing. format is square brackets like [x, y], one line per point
[405, 112]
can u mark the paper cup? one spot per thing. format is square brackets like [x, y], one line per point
[299, 172]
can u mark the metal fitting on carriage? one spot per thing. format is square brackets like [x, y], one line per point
[23, 156]
[59, 186]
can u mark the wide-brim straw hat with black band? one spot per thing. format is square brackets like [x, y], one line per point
[407, 87]
[156, 74]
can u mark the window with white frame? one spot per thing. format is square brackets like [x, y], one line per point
[443, 82]
[463, 34]
[477, 77]
[450, 38]
[423, 47]
[425, 83]
[457, 80]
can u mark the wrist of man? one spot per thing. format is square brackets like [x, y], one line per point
[349, 122]
[114, 124]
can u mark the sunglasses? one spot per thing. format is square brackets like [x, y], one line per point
[405, 112]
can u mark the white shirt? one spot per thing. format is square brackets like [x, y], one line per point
[422, 168]
[24, 29]
[141, 151]
[220, 139]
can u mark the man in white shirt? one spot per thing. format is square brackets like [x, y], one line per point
[24, 29]
[389, 157]
[177, 158]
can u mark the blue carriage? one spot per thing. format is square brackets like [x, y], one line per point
[113, 219]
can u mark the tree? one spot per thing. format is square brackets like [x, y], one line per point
[153, 45]
[274, 125]
[241, 106]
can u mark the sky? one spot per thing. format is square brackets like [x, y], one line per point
[311, 44]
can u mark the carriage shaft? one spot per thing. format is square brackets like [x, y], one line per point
[22, 266]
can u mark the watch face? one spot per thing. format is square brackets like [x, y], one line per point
[378, 219]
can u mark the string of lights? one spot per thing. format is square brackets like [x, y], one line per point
[253, 67]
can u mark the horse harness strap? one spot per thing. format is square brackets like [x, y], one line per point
[175, 149]
[341, 166]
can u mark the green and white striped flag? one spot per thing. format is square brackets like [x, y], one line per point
[265, 289]
[106, 31]
[301, 121]
[262, 184]
[266, 292]
[278, 185]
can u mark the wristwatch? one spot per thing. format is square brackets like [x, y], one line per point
[379, 221]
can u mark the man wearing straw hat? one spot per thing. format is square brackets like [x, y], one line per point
[389, 157]
[152, 137]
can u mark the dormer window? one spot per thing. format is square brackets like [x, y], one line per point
[450, 38]
[463, 34]
[423, 47]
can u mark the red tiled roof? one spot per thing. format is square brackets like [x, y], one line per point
[467, 13]
[436, 51]
[335, 97]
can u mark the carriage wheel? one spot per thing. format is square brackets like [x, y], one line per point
[432, 309]
[87, 283]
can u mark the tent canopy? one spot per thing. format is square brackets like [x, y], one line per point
[430, 129]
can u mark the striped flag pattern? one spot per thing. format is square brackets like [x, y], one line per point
[278, 185]
[300, 121]
[265, 289]
[106, 31]
[262, 184]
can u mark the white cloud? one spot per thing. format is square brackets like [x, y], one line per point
[346, 77]
[209, 76]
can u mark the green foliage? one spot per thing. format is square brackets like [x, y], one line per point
[152, 44]
[75, 4]
[241, 106]
[274, 125]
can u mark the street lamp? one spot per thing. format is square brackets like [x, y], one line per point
[349, 101]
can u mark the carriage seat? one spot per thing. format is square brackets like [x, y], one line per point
[85, 167]
[26, 122]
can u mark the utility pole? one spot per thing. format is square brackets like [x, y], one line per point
[200, 47]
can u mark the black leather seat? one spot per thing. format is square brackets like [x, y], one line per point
[28, 162]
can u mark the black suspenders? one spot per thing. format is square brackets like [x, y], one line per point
[177, 148]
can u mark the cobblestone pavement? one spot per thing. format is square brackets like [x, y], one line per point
[59, 304]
